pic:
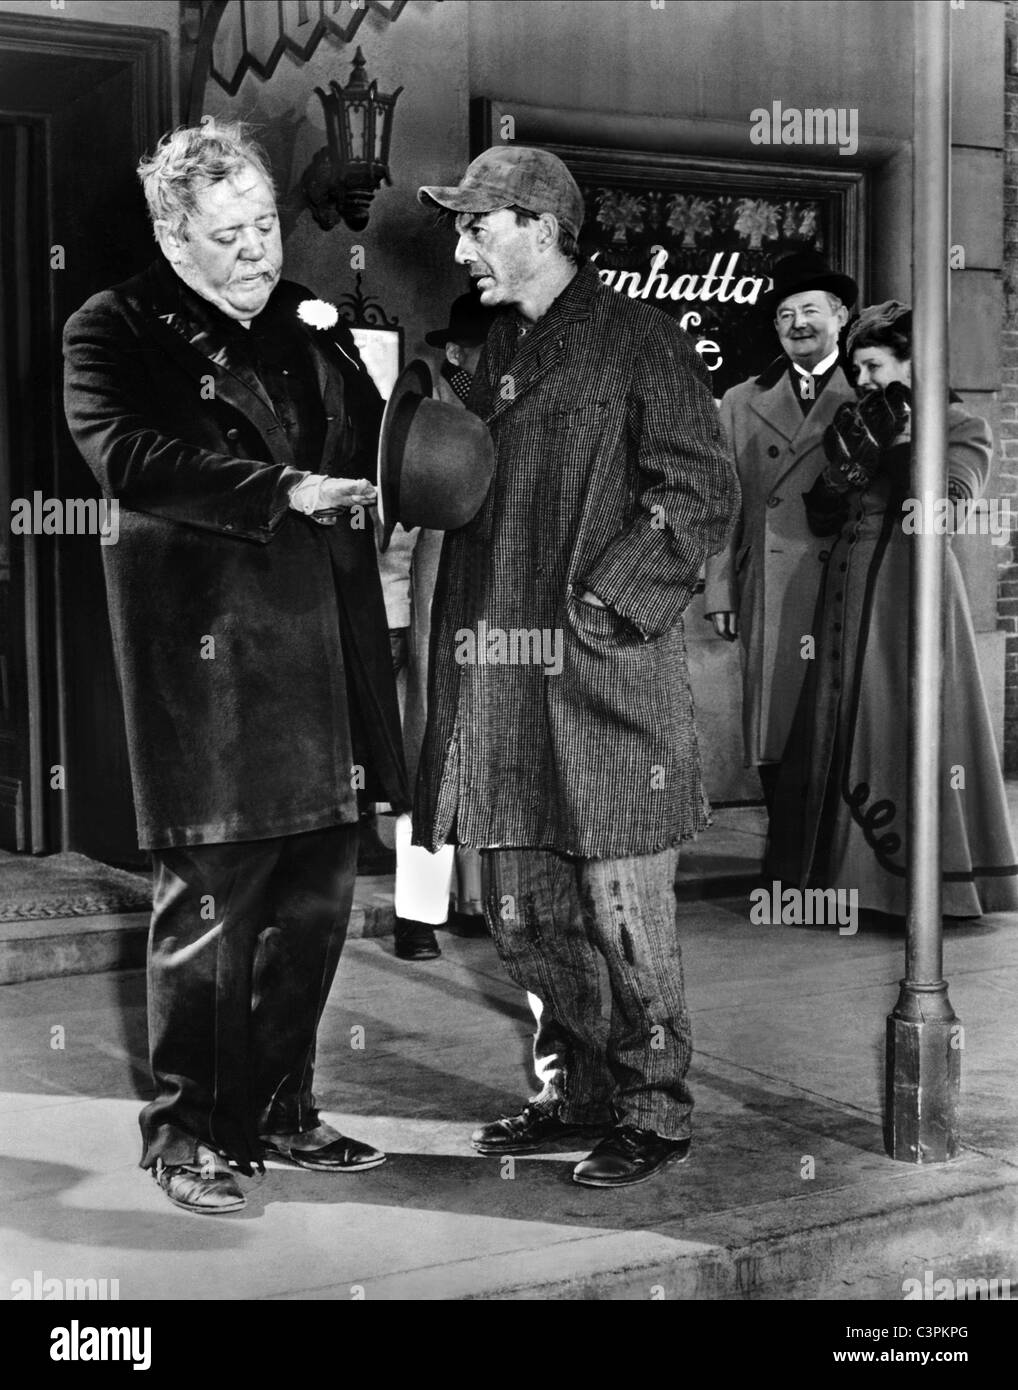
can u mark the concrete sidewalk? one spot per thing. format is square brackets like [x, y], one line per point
[787, 1192]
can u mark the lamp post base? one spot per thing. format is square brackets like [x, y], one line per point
[923, 1076]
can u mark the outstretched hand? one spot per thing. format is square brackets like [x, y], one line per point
[339, 494]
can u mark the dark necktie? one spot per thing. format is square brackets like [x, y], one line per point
[807, 388]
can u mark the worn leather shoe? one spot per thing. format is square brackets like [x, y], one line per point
[415, 940]
[629, 1155]
[533, 1128]
[322, 1150]
[205, 1187]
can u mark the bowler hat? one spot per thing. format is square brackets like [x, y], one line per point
[807, 270]
[513, 176]
[469, 321]
[435, 459]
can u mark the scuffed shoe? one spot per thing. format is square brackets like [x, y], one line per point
[205, 1187]
[323, 1150]
[533, 1128]
[629, 1155]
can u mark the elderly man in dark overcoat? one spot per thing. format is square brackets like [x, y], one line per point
[561, 738]
[228, 413]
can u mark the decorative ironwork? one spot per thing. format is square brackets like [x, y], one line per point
[363, 310]
[227, 39]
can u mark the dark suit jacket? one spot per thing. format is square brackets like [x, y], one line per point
[251, 642]
[611, 474]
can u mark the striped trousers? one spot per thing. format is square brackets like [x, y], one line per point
[560, 924]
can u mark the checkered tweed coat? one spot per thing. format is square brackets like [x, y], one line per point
[611, 475]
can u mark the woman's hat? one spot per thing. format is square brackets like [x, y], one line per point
[807, 270]
[435, 459]
[878, 319]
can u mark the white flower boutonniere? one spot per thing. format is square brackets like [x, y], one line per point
[317, 313]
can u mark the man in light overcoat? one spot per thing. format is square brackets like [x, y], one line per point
[561, 739]
[763, 586]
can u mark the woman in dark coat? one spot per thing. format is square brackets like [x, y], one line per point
[840, 819]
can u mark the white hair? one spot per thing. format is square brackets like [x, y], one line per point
[188, 160]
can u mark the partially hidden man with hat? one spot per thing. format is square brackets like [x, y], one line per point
[762, 587]
[560, 737]
[408, 566]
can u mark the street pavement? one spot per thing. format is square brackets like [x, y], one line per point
[788, 1192]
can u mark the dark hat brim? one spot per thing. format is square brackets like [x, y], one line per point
[477, 199]
[414, 381]
[841, 285]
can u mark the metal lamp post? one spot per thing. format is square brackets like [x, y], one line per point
[923, 1052]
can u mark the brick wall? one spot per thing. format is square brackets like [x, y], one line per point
[1007, 600]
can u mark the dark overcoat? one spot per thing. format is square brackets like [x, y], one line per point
[611, 475]
[840, 818]
[770, 571]
[250, 641]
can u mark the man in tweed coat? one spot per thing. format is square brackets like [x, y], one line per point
[560, 733]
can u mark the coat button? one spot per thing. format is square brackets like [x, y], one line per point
[232, 434]
[774, 501]
[773, 451]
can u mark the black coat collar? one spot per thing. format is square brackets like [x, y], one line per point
[204, 340]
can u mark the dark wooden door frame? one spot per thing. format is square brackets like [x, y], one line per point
[99, 51]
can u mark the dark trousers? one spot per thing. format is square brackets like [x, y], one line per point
[558, 923]
[243, 949]
[769, 774]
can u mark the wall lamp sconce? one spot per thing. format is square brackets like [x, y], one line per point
[344, 176]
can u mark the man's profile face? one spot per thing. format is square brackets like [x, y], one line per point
[231, 252]
[500, 254]
[808, 326]
[465, 356]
